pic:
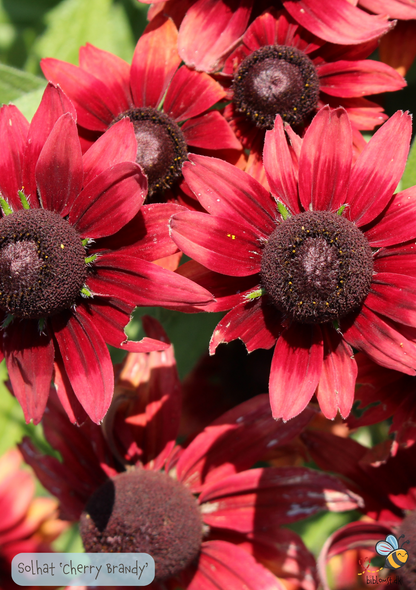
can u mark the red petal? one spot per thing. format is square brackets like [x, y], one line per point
[236, 441]
[379, 339]
[29, 358]
[139, 282]
[344, 24]
[379, 169]
[269, 497]
[279, 167]
[403, 9]
[86, 360]
[393, 295]
[210, 30]
[155, 60]
[96, 107]
[211, 132]
[296, 369]
[65, 393]
[324, 173]
[222, 245]
[226, 191]
[357, 78]
[121, 188]
[255, 322]
[224, 566]
[110, 69]
[59, 174]
[400, 259]
[118, 144]
[339, 373]
[13, 132]
[191, 93]
[398, 222]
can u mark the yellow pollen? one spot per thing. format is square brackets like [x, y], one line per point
[62, 246]
[232, 236]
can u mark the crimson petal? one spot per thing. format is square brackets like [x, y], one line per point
[379, 169]
[65, 393]
[226, 191]
[29, 358]
[210, 132]
[339, 373]
[59, 175]
[222, 245]
[86, 360]
[403, 9]
[155, 60]
[210, 30]
[296, 369]
[324, 173]
[398, 222]
[139, 282]
[121, 188]
[13, 132]
[393, 295]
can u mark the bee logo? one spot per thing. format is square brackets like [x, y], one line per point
[395, 556]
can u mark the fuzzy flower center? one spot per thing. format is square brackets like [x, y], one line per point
[42, 264]
[161, 147]
[143, 511]
[317, 267]
[276, 80]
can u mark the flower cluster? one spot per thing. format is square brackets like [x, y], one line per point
[243, 178]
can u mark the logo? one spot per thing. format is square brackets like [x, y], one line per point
[395, 556]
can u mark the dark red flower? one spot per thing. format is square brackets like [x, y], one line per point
[280, 68]
[70, 274]
[315, 268]
[236, 512]
[168, 105]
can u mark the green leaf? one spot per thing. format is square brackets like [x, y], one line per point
[15, 84]
[409, 176]
[75, 22]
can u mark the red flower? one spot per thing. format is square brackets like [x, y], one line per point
[233, 513]
[167, 104]
[27, 524]
[280, 68]
[68, 281]
[318, 267]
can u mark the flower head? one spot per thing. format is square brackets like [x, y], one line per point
[70, 271]
[167, 104]
[233, 513]
[315, 268]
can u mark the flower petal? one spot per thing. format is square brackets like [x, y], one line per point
[139, 282]
[118, 144]
[393, 295]
[121, 188]
[324, 173]
[155, 61]
[344, 24]
[210, 30]
[226, 191]
[222, 245]
[29, 358]
[75, 412]
[279, 167]
[210, 132]
[86, 360]
[296, 369]
[400, 259]
[356, 78]
[110, 69]
[59, 175]
[13, 132]
[265, 498]
[380, 340]
[255, 322]
[339, 373]
[235, 442]
[379, 169]
[403, 9]
[191, 93]
[398, 222]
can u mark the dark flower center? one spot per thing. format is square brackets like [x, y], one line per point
[42, 264]
[276, 80]
[161, 147]
[317, 267]
[405, 554]
[142, 511]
